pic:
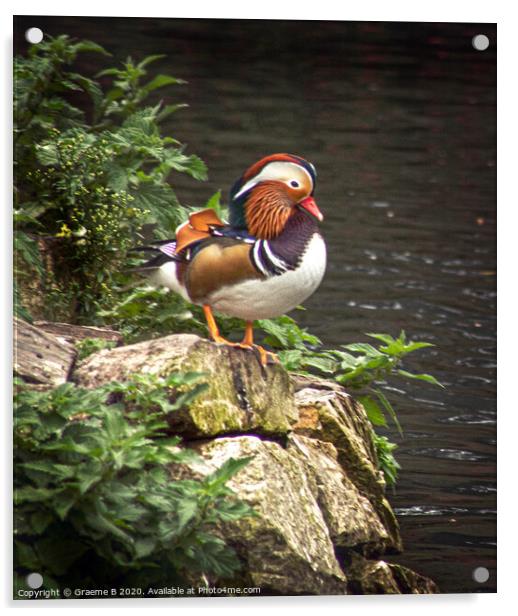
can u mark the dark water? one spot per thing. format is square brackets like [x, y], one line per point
[399, 120]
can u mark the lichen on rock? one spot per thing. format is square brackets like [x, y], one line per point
[241, 397]
[287, 548]
[351, 518]
[328, 413]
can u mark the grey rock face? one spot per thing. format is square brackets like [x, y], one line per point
[323, 520]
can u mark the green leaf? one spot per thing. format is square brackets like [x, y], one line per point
[387, 462]
[167, 110]
[47, 154]
[414, 346]
[226, 471]
[284, 333]
[83, 46]
[145, 546]
[59, 471]
[187, 511]
[192, 165]
[186, 398]
[89, 86]
[149, 59]
[234, 510]
[389, 408]
[40, 520]
[25, 556]
[161, 202]
[363, 348]
[382, 338]
[102, 523]
[321, 363]
[108, 72]
[374, 413]
[160, 81]
[214, 203]
[29, 494]
[421, 377]
[278, 333]
[117, 177]
[63, 502]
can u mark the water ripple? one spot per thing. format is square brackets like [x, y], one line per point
[425, 510]
[475, 489]
[446, 453]
[473, 419]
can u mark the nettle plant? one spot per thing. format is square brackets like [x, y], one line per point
[94, 501]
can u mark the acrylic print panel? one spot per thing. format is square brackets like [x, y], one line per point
[124, 127]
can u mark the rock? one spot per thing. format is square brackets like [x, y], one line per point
[242, 396]
[40, 358]
[369, 577]
[323, 520]
[350, 517]
[66, 332]
[287, 549]
[410, 582]
[329, 414]
[332, 415]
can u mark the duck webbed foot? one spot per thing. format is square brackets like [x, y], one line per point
[265, 357]
[248, 343]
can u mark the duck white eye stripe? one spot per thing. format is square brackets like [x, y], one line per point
[276, 170]
[308, 174]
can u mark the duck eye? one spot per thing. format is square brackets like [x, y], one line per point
[294, 183]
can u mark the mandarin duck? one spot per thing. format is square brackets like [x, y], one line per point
[267, 259]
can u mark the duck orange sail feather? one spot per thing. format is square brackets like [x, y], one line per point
[197, 228]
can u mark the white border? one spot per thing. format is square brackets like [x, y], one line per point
[396, 10]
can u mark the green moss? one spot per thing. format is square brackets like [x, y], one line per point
[242, 395]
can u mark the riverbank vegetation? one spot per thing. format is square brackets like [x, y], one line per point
[94, 175]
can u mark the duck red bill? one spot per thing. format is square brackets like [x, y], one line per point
[309, 204]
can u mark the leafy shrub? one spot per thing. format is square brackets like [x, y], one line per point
[387, 462]
[86, 183]
[94, 502]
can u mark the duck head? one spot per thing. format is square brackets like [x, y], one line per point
[270, 191]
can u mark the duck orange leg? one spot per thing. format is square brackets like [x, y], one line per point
[248, 342]
[213, 327]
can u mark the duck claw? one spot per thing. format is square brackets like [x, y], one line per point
[220, 340]
[247, 342]
[265, 356]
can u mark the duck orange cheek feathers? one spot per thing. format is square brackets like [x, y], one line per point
[226, 267]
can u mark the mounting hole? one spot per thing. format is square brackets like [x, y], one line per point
[34, 35]
[34, 580]
[480, 575]
[480, 42]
